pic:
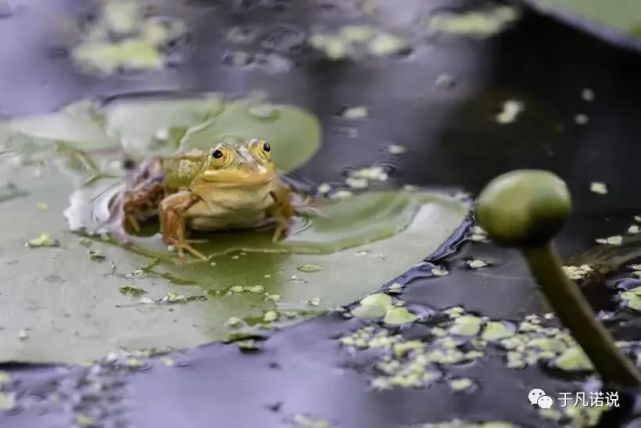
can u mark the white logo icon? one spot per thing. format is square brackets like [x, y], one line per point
[538, 397]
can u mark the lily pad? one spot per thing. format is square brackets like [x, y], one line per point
[614, 23]
[150, 125]
[146, 125]
[294, 134]
[77, 124]
[82, 314]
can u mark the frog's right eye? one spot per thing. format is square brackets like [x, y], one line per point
[221, 156]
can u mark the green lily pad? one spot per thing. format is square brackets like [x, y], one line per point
[293, 133]
[157, 125]
[77, 125]
[624, 18]
[145, 126]
[74, 311]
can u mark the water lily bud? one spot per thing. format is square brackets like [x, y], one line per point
[523, 207]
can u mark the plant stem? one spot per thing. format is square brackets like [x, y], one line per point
[577, 315]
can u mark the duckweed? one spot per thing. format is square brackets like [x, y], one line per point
[439, 271]
[359, 112]
[398, 316]
[480, 24]
[599, 188]
[466, 325]
[476, 264]
[577, 272]
[132, 291]
[7, 401]
[573, 359]
[43, 240]
[511, 109]
[356, 40]
[610, 240]
[97, 255]
[123, 37]
[632, 298]
[461, 384]
[309, 268]
[396, 149]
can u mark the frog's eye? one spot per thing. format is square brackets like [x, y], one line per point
[260, 148]
[220, 156]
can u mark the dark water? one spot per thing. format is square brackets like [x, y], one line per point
[452, 141]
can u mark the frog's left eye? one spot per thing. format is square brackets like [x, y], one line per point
[260, 148]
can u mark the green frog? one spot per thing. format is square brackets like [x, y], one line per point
[227, 187]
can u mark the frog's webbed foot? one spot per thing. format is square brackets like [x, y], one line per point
[182, 246]
[173, 223]
[280, 231]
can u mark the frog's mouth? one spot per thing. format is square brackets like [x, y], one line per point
[238, 177]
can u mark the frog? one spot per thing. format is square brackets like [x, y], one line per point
[229, 186]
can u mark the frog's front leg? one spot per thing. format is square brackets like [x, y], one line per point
[173, 222]
[281, 211]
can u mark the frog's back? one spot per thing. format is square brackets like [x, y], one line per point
[181, 170]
